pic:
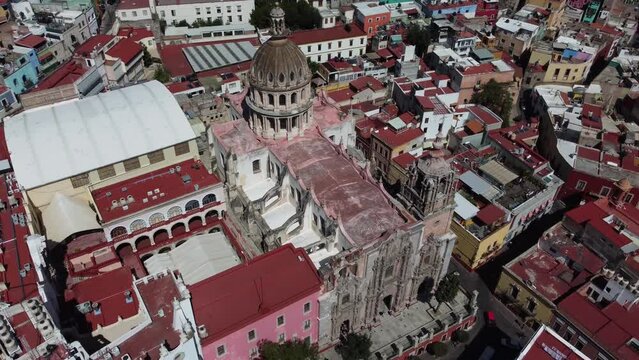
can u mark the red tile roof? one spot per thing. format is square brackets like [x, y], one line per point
[384, 53]
[93, 43]
[479, 69]
[180, 87]
[303, 37]
[490, 213]
[133, 4]
[405, 160]
[364, 82]
[395, 139]
[150, 186]
[135, 34]
[15, 252]
[547, 344]
[546, 273]
[227, 301]
[483, 114]
[610, 327]
[594, 212]
[31, 41]
[126, 50]
[66, 74]
[107, 290]
[341, 95]
[158, 295]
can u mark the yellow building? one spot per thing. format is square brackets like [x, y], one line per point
[556, 8]
[479, 237]
[566, 63]
[397, 138]
[531, 283]
[64, 150]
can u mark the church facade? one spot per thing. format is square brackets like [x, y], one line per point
[290, 179]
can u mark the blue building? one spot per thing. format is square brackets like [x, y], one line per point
[437, 10]
[21, 69]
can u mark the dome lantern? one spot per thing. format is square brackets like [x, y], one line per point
[278, 25]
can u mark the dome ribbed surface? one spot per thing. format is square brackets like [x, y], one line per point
[279, 64]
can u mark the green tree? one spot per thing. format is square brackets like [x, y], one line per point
[312, 65]
[182, 23]
[217, 22]
[461, 336]
[355, 347]
[420, 37]
[146, 58]
[289, 350]
[496, 97]
[447, 289]
[162, 75]
[162, 25]
[299, 14]
[438, 349]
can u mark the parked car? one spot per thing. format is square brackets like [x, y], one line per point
[490, 318]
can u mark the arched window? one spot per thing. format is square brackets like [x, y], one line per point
[173, 212]
[282, 99]
[118, 231]
[282, 77]
[271, 99]
[303, 94]
[156, 218]
[137, 225]
[270, 77]
[293, 98]
[208, 199]
[192, 205]
[292, 75]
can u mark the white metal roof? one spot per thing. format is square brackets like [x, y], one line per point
[479, 186]
[464, 208]
[513, 26]
[207, 57]
[199, 258]
[58, 141]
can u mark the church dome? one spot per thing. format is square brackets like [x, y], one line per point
[279, 65]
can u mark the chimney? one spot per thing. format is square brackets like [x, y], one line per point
[201, 332]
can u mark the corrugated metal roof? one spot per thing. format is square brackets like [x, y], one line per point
[498, 172]
[208, 57]
[479, 186]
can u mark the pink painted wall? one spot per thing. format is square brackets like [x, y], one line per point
[239, 347]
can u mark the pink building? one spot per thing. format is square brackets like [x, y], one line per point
[271, 297]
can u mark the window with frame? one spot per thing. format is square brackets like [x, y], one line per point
[581, 342]
[604, 191]
[106, 172]
[307, 324]
[131, 164]
[251, 335]
[80, 180]
[181, 149]
[156, 157]
[281, 337]
[628, 198]
[307, 307]
[568, 335]
[280, 320]
[256, 166]
[581, 185]
[221, 350]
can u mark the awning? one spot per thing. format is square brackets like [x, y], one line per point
[66, 216]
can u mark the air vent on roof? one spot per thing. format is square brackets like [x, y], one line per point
[124, 189]
[84, 308]
[171, 171]
[201, 331]
[186, 179]
[178, 168]
[108, 193]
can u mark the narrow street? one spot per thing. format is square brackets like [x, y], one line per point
[484, 281]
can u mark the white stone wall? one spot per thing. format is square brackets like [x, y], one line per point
[347, 48]
[133, 14]
[231, 12]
